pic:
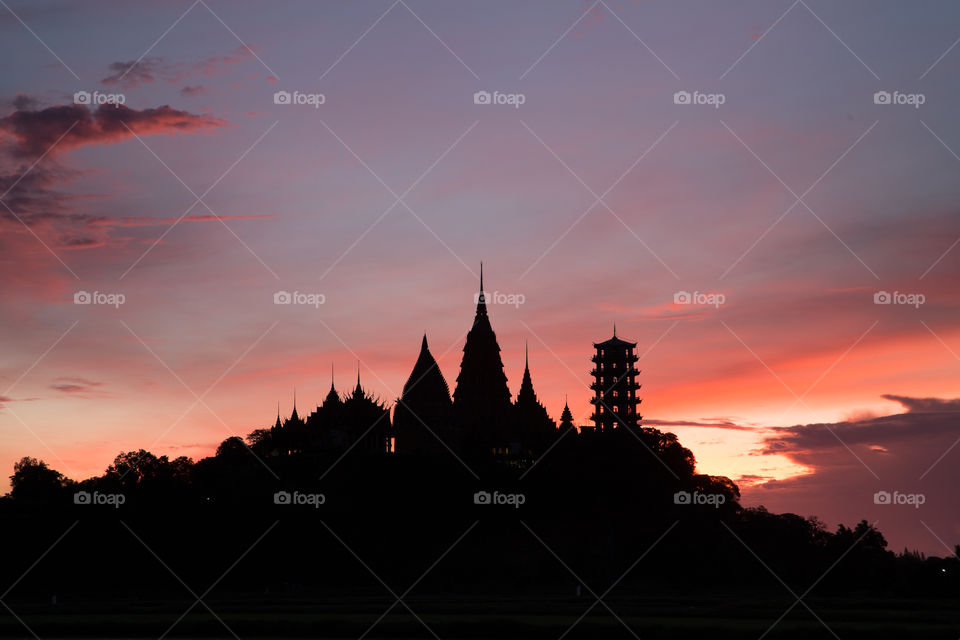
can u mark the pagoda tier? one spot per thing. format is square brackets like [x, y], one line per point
[614, 384]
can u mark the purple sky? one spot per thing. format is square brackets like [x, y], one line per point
[594, 202]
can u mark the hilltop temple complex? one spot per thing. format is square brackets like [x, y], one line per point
[479, 417]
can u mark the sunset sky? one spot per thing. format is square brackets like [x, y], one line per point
[596, 201]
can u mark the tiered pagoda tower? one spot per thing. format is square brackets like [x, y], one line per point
[615, 385]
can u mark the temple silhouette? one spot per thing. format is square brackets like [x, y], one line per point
[480, 417]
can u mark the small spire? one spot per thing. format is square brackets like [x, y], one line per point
[481, 276]
[423, 345]
[526, 355]
[331, 377]
[614, 329]
[294, 397]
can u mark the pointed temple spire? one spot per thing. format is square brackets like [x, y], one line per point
[425, 401]
[426, 380]
[294, 416]
[481, 296]
[526, 392]
[482, 398]
[566, 416]
[332, 396]
[358, 391]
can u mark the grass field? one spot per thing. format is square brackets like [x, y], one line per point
[447, 617]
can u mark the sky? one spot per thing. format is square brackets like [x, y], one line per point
[763, 195]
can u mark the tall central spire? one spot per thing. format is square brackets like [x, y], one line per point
[481, 297]
[482, 398]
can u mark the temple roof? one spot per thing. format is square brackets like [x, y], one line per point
[426, 377]
[481, 384]
[615, 342]
[526, 392]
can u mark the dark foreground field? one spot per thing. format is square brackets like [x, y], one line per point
[450, 617]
